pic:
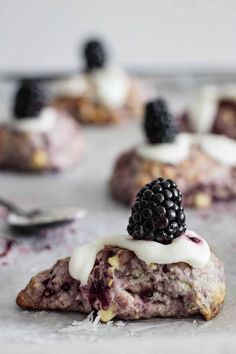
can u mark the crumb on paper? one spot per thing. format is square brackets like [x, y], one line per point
[88, 324]
[119, 324]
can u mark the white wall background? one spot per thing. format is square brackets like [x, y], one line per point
[160, 34]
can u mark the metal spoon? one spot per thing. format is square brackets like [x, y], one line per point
[38, 218]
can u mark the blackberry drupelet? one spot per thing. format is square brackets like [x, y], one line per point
[30, 98]
[95, 54]
[160, 126]
[157, 213]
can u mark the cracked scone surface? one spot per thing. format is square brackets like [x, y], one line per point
[122, 286]
[201, 179]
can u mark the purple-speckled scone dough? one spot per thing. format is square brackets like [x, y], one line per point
[201, 179]
[55, 150]
[122, 286]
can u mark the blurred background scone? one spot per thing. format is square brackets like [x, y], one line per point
[103, 93]
[38, 137]
[204, 165]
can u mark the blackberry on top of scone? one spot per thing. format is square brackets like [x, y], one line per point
[31, 97]
[157, 213]
[159, 124]
[203, 165]
[95, 54]
[103, 92]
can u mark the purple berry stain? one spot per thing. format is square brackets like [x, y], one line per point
[9, 245]
[194, 239]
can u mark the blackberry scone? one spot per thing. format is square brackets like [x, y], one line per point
[38, 138]
[204, 165]
[103, 93]
[159, 270]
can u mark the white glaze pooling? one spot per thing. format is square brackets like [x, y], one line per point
[109, 86]
[44, 123]
[172, 153]
[218, 147]
[182, 249]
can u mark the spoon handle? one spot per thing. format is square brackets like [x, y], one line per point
[11, 207]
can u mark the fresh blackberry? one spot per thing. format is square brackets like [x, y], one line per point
[95, 54]
[159, 124]
[30, 98]
[157, 213]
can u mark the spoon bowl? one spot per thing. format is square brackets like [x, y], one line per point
[39, 218]
[46, 217]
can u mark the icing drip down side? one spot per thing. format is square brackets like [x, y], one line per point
[189, 248]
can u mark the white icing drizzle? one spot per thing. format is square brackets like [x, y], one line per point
[108, 86]
[189, 248]
[44, 123]
[172, 153]
[219, 147]
[203, 110]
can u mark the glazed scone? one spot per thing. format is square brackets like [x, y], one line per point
[203, 165]
[130, 289]
[103, 93]
[159, 270]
